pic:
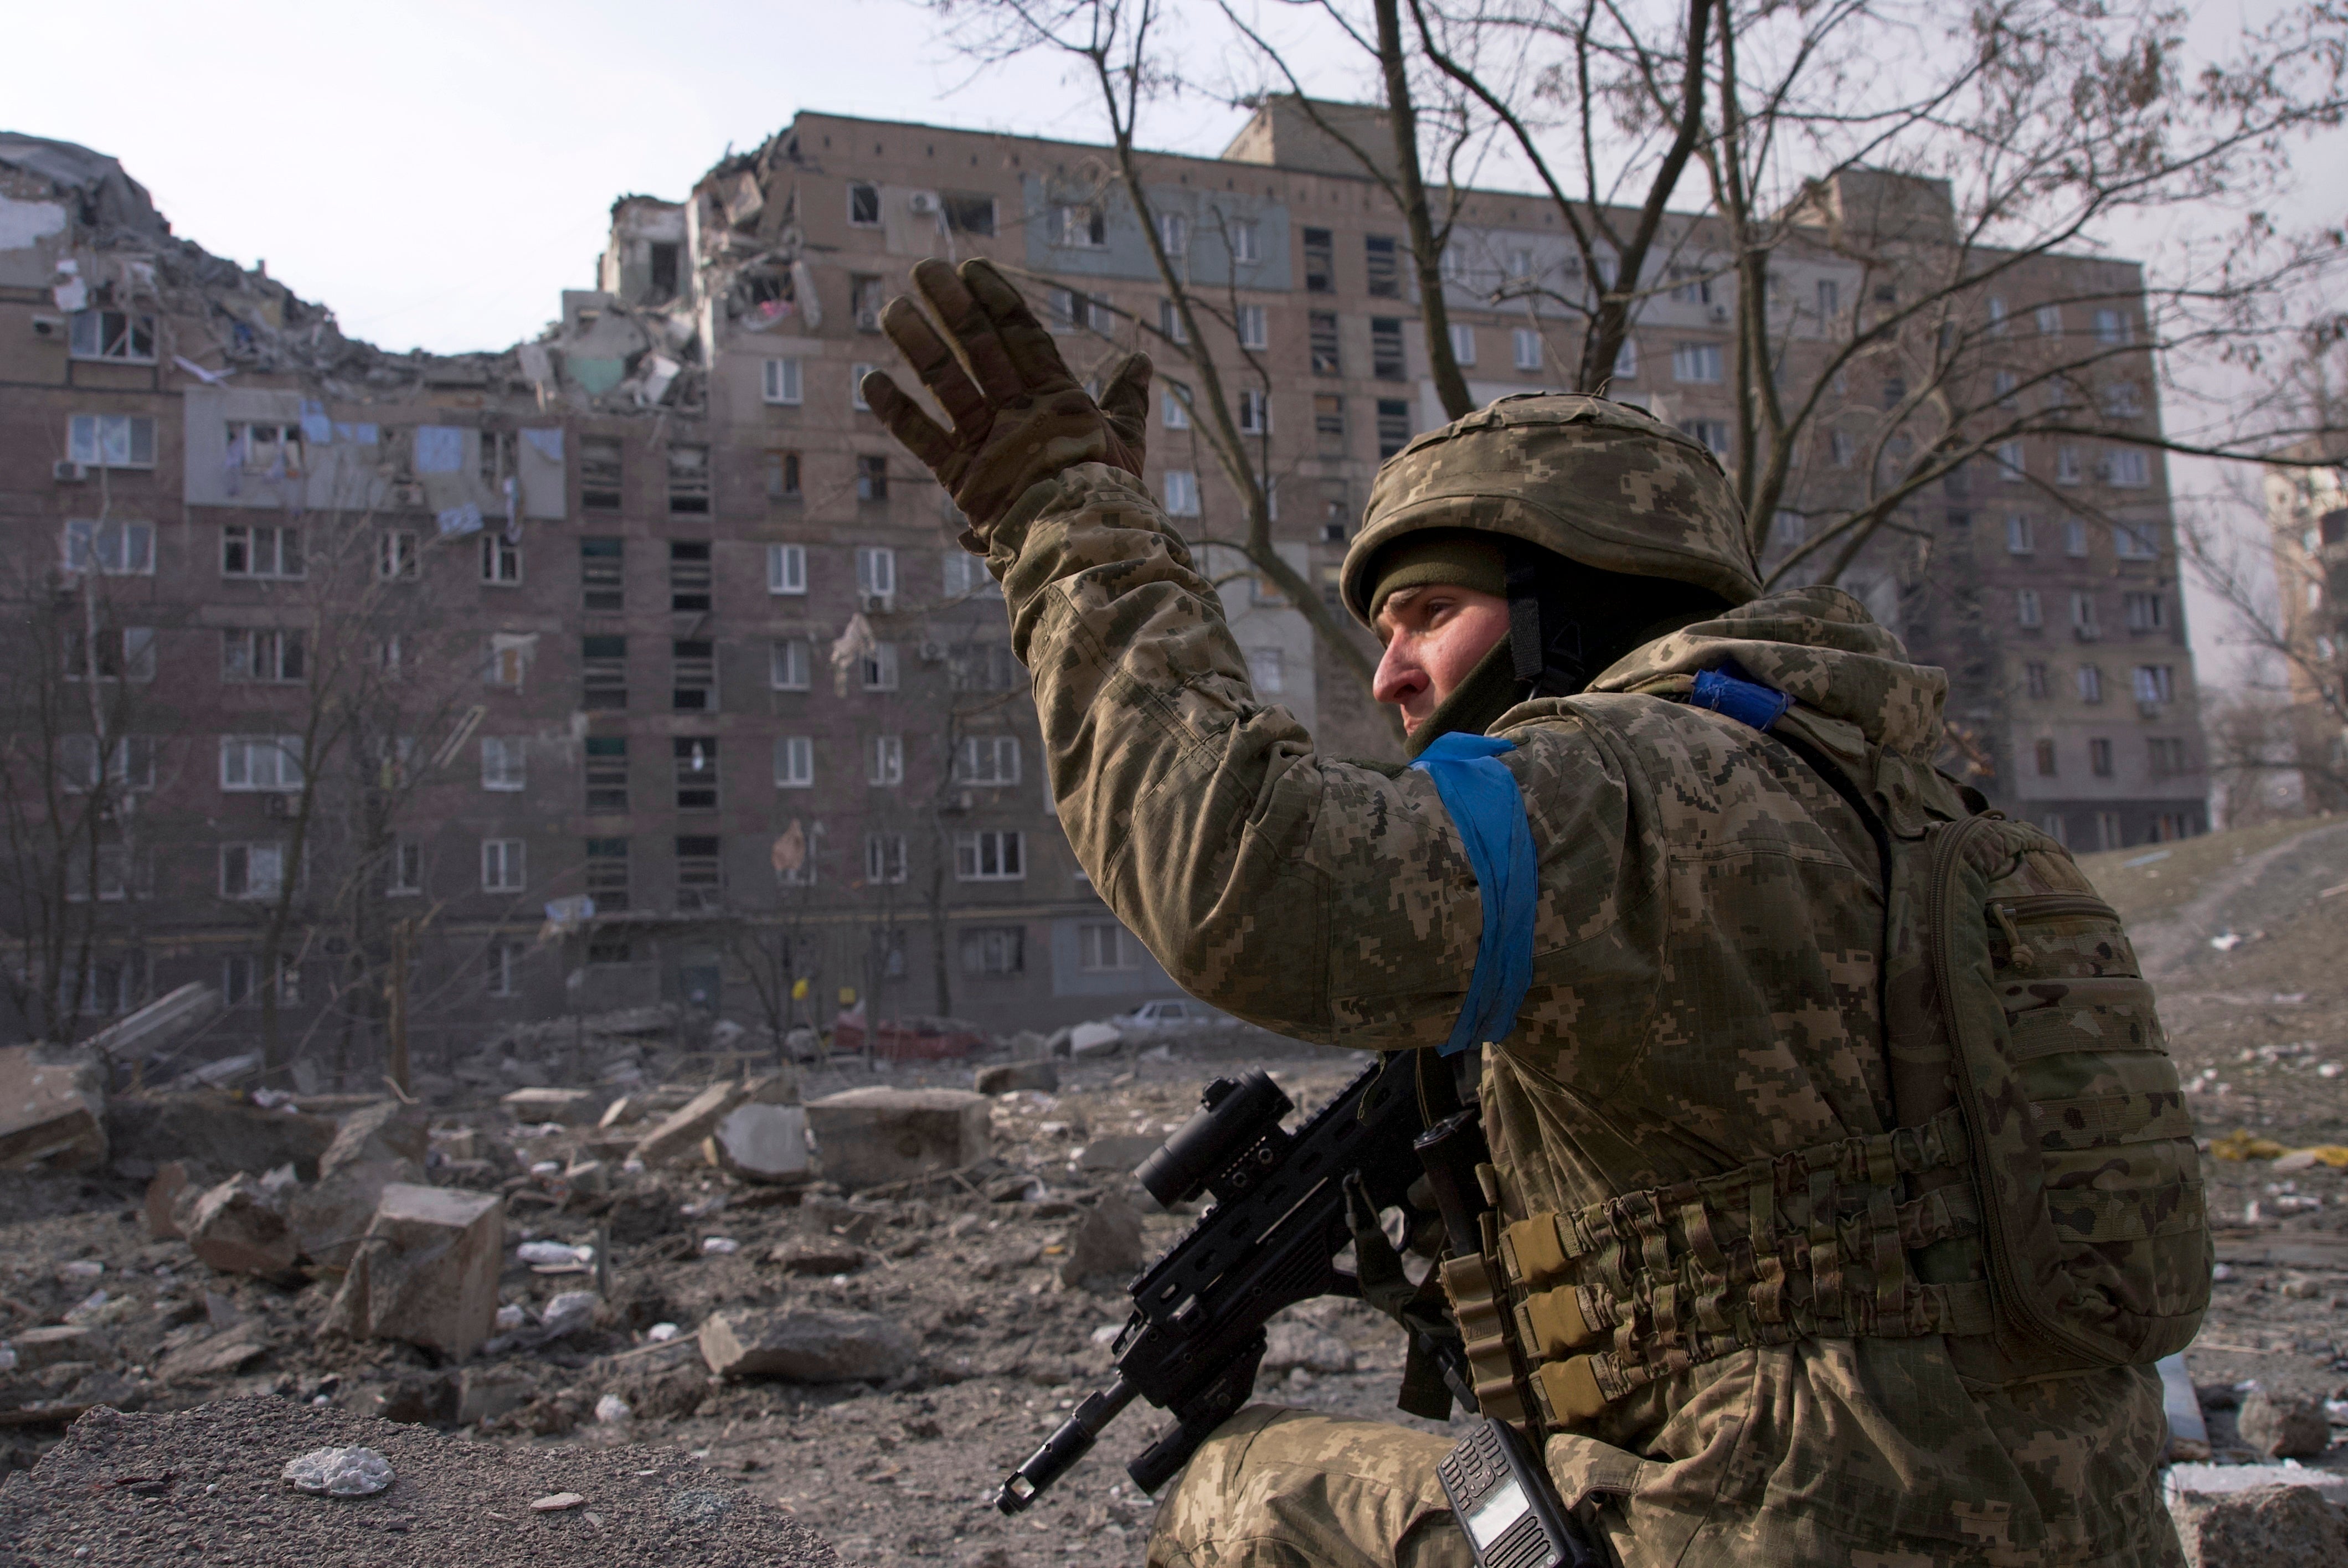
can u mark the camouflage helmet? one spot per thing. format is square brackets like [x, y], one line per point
[1595, 480]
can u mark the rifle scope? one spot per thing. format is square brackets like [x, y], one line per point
[1233, 1139]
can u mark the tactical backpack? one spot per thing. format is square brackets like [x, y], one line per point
[2038, 1203]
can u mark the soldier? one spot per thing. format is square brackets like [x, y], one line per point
[1676, 972]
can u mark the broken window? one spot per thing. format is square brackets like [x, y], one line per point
[264, 446]
[1254, 412]
[252, 550]
[599, 472]
[689, 480]
[110, 548]
[1386, 271]
[251, 870]
[782, 475]
[693, 677]
[604, 670]
[403, 869]
[607, 773]
[688, 574]
[1386, 362]
[664, 257]
[253, 654]
[111, 440]
[1329, 420]
[787, 665]
[130, 763]
[866, 295]
[969, 212]
[700, 873]
[873, 478]
[863, 203]
[399, 556]
[1394, 425]
[603, 582]
[697, 772]
[112, 653]
[879, 667]
[124, 335]
[888, 762]
[1324, 325]
[1336, 511]
[509, 662]
[1081, 224]
[497, 459]
[501, 560]
[607, 880]
[1320, 262]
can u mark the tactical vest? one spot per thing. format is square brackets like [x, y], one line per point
[2038, 1204]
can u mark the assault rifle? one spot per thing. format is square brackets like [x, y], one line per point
[1195, 1336]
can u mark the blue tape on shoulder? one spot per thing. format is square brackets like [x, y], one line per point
[1487, 808]
[1747, 702]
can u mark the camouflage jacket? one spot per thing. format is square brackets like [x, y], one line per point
[1706, 991]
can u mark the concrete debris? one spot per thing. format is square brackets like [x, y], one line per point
[237, 1227]
[39, 1347]
[222, 1133]
[51, 1111]
[156, 1025]
[374, 1134]
[425, 1272]
[2263, 1527]
[327, 1219]
[569, 1107]
[763, 1143]
[2189, 1432]
[223, 1352]
[157, 1210]
[818, 1257]
[485, 1393]
[684, 1128]
[2282, 1427]
[1009, 1077]
[338, 1472]
[1120, 1151]
[1094, 1039]
[1105, 1250]
[865, 1137]
[806, 1346]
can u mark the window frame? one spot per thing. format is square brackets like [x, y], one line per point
[794, 762]
[785, 370]
[87, 538]
[1005, 847]
[511, 867]
[93, 345]
[87, 440]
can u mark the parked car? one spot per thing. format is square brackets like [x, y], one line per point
[1172, 1013]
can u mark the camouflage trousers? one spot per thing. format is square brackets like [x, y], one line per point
[1277, 1488]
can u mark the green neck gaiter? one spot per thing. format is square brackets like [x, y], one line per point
[1490, 690]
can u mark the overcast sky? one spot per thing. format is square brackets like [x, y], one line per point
[438, 173]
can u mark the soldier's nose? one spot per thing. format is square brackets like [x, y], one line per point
[1399, 676]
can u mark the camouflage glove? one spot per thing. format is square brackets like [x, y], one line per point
[1019, 417]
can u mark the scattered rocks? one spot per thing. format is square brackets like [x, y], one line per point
[570, 1107]
[556, 1502]
[38, 1347]
[865, 1137]
[2262, 1528]
[1105, 1250]
[210, 1129]
[375, 1134]
[51, 1111]
[2280, 1427]
[238, 1229]
[426, 1271]
[328, 1218]
[806, 1346]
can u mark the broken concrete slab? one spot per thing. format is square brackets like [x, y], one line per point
[161, 1212]
[157, 1024]
[224, 1352]
[39, 1347]
[374, 1134]
[51, 1111]
[425, 1272]
[570, 1107]
[864, 1137]
[2282, 1427]
[485, 1393]
[806, 1346]
[1009, 1076]
[147, 1131]
[1104, 1249]
[682, 1129]
[762, 1142]
[2263, 1527]
[1120, 1152]
[328, 1218]
[238, 1229]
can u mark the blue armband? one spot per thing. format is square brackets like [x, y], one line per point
[1747, 702]
[1489, 810]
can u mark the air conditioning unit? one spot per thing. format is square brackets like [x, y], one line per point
[66, 471]
[2090, 632]
[1720, 312]
[408, 498]
[277, 806]
[48, 326]
[924, 202]
[876, 603]
[2148, 708]
[932, 653]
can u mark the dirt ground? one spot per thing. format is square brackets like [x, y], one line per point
[902, 1471]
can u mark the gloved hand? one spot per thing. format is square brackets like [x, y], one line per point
[1018, 415]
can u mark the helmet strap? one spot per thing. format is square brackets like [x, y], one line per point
[1545, 640]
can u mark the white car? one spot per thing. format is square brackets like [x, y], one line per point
[1171, 1013]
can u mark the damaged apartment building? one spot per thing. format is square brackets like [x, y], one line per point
[637, 664]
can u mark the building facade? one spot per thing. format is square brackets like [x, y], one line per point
[637, 664]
